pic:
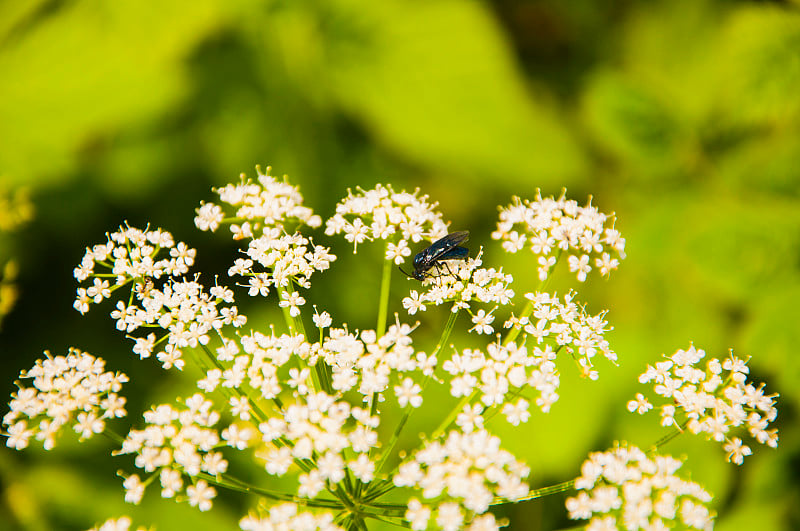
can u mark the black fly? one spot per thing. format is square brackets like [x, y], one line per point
[447, 248]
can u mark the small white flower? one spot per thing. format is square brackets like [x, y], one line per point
[396, 252]
[362, 468]
[322, 320]
[200, 495]
[580, 265]
[408, 393]
[292, 301]
[641, 405]
[483, 322]
[134, 489]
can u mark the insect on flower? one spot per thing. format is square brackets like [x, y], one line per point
[447, 248]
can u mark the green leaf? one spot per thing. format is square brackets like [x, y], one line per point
[81, 72]
[437, 84]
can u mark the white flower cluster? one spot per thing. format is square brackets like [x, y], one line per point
[566, 325]
[359, 362]
[366, 363]
[318, 427]
[129, 254]
[382, 213]
[549, 226]
[178, 442]
[714, 400]
[624, 489]
[499, 375]
[268, 203]
[463, 475]
[285, 257]
[182, 308]
[463, 281]
[287, 516]
[123, 523]
[258, 365]
[67, 390]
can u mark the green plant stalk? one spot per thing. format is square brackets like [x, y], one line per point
[226, 482]
[383, 304]
[383, 311]
[539, 493]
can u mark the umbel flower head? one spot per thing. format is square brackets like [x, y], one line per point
[72, 390]
[463, 473]
[715, 400]
[269, 213]
[130, 254]
[549, 226]
[462, 282]
[624, 488]
[382, 213]
[180, 442]
[265, 204]
[277, 259]
[565, 325]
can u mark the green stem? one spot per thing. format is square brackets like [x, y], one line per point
[113, 436]
[539, 493]
[239, 486]
[383, 310]
[667, 438]
[383, 304]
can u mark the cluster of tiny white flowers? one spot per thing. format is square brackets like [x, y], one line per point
[67, 390]
[382, 213]
[319, 427]
[129, 254]
[360, 362]
[462, 282]
[178, 442]
[502, 373]
[268, 203]
[366, 363]
[256, 360]
[182, 308]
[448, 516]
[624, 489]
[714, 401]
[550, 226]
[123, 523]
[566, 325]
[464, 474]
[287, 516]
[284, 257]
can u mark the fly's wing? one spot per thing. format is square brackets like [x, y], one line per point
[449, 243]
[456, 253]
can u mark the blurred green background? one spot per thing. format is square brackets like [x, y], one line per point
[681, 116]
